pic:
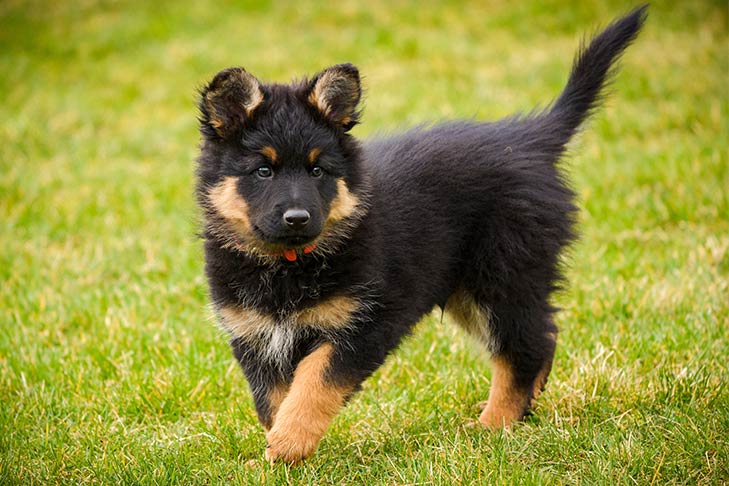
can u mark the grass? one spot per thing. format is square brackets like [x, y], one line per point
[111, 369]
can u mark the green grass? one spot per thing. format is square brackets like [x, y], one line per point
[111, 368]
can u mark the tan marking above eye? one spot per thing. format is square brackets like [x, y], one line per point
[270, 153]
[314, 154]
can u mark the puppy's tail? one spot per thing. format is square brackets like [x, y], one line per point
[593, 68]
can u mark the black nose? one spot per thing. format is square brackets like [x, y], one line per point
[296, 218]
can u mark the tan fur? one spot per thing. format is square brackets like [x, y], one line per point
[236, 227]
[506, 402]
[225, 200]
[541, 380]
[270, 153]
[215, 120]
[228, 203]
[333, 313]
[246, 323]
[304, 415]
[334, 83]
[239, 81]
[470, 316]
[274, 337]
[344, 203]
[319, 95]
[275, 396]
[254, 102]
[318, 102]
[314, 154]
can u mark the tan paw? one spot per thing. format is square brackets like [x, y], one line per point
[494, 418]
[290, 446]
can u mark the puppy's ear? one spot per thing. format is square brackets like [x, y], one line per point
[229, 100]
[336, 92]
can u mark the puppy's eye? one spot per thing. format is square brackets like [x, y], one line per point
[316, 171]
[264, 172]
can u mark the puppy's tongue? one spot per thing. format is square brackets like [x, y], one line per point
[290, 254]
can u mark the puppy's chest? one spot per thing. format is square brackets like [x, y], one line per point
[276, 310]
[330, 313]
[283, 289]
[275, 335]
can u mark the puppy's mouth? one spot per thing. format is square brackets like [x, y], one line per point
[295, 241]
[287, 245]
[283, 241]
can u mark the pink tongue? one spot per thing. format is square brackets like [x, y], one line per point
[290, 255]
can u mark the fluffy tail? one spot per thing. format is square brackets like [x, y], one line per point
[592, 69]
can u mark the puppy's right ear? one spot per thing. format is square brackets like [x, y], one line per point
[336, 92]
[228, 101]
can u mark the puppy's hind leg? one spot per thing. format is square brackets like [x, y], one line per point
[520, 370]
[522, 347]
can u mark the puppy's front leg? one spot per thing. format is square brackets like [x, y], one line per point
[303, 417]
[268, 387]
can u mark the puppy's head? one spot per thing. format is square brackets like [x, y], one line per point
[278, 172]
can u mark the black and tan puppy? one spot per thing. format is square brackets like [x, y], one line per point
[323, 252]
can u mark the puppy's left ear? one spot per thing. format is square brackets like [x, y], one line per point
[336, 92]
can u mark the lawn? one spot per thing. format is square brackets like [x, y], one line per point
[111, 367]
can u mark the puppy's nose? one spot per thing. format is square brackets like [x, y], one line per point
[296, 218]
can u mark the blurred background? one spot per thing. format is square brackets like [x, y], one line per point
[110, 365]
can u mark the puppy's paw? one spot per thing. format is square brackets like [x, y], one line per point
[496, 418]
[290, 446]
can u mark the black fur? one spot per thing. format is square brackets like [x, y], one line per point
[480, 207]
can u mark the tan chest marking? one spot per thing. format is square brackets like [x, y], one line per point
[333, 313]
[275, 338]
[243, 322]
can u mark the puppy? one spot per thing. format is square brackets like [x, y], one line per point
[322, 252]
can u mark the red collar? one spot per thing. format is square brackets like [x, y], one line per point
[290, 253]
